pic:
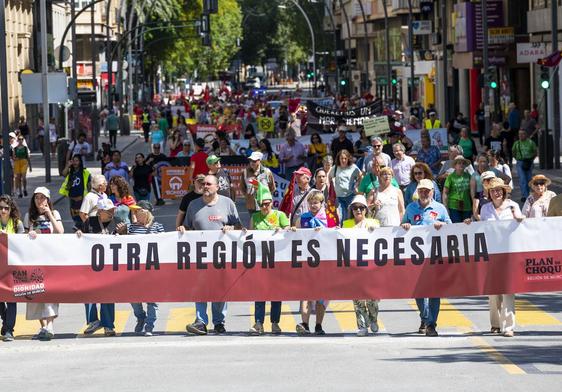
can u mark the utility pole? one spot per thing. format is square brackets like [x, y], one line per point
[366, 86]
[94, 113]
[75, 109]
[444, 79]
[387, 52]
[555, 87]
[45, 86]
[485, 65]
[411, 46]
[6, 166]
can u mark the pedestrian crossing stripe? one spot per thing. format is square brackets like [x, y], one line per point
[178, 318]
[527, 313]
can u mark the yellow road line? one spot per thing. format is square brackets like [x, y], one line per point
[178, 318]
[505, 363]
[287, 323]
[449, 316]
[527, 313]
[25, 329]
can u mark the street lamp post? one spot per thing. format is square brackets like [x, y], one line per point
[6, 166]
[349, 46]
[366, 86]
[387, 52]
[411, 45]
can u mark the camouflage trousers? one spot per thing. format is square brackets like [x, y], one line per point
[366, 312]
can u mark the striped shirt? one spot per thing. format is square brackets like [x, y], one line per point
[135, 228]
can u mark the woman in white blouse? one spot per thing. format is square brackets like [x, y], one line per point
[502, 306]
[538, 202]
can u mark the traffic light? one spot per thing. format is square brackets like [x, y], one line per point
[310, 74]
[545, 78]
[210, 6]
[394, 78]
[491, 78]
[343, 82]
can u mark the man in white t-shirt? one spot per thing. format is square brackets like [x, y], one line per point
[79, 147]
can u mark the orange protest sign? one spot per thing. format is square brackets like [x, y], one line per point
[175, 181]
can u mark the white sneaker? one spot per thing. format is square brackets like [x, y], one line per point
[257, 329]
[275, 329]
[362, 332]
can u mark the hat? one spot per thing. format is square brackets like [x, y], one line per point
[186, 142]
[143, 204]
[256, 156]
[425, 184]
[212, 159]
[12, 134]
[487, 175]
[200, 142]
[359, 199]
[263, 193]
[43, 190]
[540, 177]
[460, 158]
[497, 183]
[303, 170]
[105, 204]
[199, 177]
[394, 133]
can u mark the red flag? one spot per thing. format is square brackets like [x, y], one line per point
[552, 60]
[287, 203]
[331, 210]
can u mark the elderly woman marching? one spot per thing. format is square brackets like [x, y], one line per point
[500, 207]
[366, 310]
[42, 219]
[538, 202]
[143, 223]
[267, 219]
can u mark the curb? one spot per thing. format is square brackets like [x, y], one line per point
[61, 198]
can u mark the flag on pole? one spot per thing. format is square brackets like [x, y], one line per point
[287, 203]
[331, 210]
[552, 60]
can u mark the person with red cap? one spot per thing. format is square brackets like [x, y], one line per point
[299, 205]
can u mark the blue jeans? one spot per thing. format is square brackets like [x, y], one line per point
[344, 203]
[218, 309]
[429, 310]
[149, 316]
[274, 315]
[458, 216]
[138, 197]
[107, 312]
[524, 178]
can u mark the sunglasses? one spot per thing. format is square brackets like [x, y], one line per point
[418, 173]
[265, 204]
[377, 146]
[4, 208]
[537, 183]
[358, 208]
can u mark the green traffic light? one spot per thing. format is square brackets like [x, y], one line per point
[493, 84]
[394, 81]
[545, 84]
[343, 82]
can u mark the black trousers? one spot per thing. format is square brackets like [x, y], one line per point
[113, 137]
[8, 312]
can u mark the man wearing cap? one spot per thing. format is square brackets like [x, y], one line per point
[252, 175]
[422, 212]
[199, 159]
[189, 197]
[300, 206]
[341, 142]
[225, 183]
[292, 154]
[210, 212]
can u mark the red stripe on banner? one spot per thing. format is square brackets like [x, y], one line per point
[503, 273]
[3, 250]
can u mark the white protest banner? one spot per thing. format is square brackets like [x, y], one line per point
[376, 126]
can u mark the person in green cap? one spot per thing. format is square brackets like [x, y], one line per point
[225, 183]
[267, 219]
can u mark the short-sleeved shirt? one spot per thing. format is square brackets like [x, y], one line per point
[90, 203]
[200, 216]
[345, 179]
[271, 221]
[199, 160]
[119, 169]
[224, 181]
[402, 168]
[42, 224]
[187, 199]
[526, 149]
[417, 215]
[488, 211]
[135, 228]
[370, 182]
[459, 191]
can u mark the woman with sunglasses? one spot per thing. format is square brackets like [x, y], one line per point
[420, 171]
[366, 310]
[502, 306]
[10, 223]
[537, 203]
[42, 219]
[267, 219]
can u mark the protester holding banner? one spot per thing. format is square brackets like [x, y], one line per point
[388, 200]
[426, 211]
[366, 310]
[502, 306]
[292, 154]
[419, 172]
[346, 177]
[537, 203]
[210, 212]
[267, 219]
[42, 219]
[10, 223]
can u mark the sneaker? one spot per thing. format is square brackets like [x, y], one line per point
[92, 327]
[219, 329]
[275, 329]
[197, 328]
[25, 193]
[109, 332]
[47, 335]
[8, 337]
[509, 334]
[362, 332]
[318, 330]
[140, 325]
[374, 326]
[495, 330]
[431, 331]
[257, 329]
[40, 334]
[302, 329]
[423, 328]
[148, 333]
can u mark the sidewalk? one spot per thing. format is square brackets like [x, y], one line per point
[37, 176]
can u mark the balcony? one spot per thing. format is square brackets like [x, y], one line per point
[401, 6]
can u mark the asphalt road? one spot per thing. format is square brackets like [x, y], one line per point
[463, 357]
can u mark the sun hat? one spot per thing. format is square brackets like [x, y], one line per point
[359, 199]
[540, 177]
[256, 156]
[105, 204]
[425, 184]
[43, 190]
[487, 175]
[497, 183]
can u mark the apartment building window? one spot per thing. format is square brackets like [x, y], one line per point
[538, 4]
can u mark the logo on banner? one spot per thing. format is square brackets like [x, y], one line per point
[544, 268]
[175, 183]
[28, 283]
